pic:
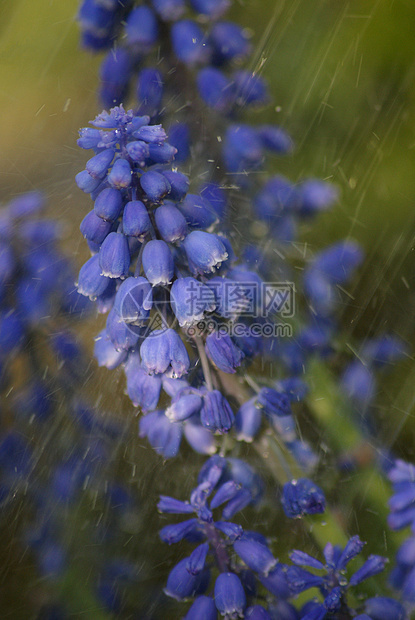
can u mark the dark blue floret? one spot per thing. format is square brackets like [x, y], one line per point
[86, 183]
[98, 165]
[120, 175]
[275, 139]
[183, 407]
[142, 388]
[149, 91]
[163, 435]
[158, 263]
[215, 89]
[155, 185]
[190, 300]
[163, 349]
[216, 413]
[114, 256]
[94, 228]
[203, 607]
[248, 421]
[224, 354]
[229, 42]
[301, 497]
[205, 252]
[212, 8]
[230, 599]
[179, 137]
[134, 300]
[179, 184]
[358, 382]
[189, 43]
[315, 196]
[181, 584]
[108, 204]
[122, 336]
[161, 153]
[198, 211]
[135, 220]
[91, 282]
[250, 89]
[384, 608]
[141, 29]
[169, 10]
[115, 74]
[242, 150]
[255, 555]
[171, 223]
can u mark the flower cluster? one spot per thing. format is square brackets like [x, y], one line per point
[245, 563]
[171, 284]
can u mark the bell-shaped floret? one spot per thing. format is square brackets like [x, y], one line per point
[158, 263]
[205, 252]
[94, 228]
[141, 28]
[120, 176]
[123, 336]
[114, 256]
[105, 353]
[229, 42]
[215, 89]
[135, 220]
[301, 497]
[248, 421]
[216, 413]
[142, 388]
[182, 585]
[222, 351]
[163, 349]
[230, 599]
[134, 300]
[198, 211]
[149, 91]
[98, 165]
[169, 10]
[155, 185]
[91, 282]
[171, 223]
[108, 204]
[189, 43]
[190, 300]
[115, 75]
[179, 183]
[163, 435]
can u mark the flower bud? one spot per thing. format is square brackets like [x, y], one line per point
[158, 263]
[223, 352]
[135, 220]
[155, 185]
[120, 175]
[114, 256]
[108, 204]
[204, 251]
[190, 300]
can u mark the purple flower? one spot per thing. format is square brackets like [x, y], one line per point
[301, 497]
[164, 349]
[216, 413]
[224, 354]
[114, 256]
[205, 252]
[230, 599]
[158, 262]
